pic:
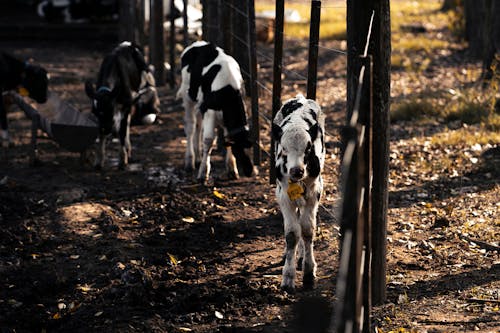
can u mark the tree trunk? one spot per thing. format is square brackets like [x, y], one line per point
[450, 5]
[477, 18]
[492, 41]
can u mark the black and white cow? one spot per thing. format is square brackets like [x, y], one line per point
[122, 81]
[211, 91]
[298, 130]
[16, 74]
[76, 11]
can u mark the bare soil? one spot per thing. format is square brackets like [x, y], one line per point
[148, 249]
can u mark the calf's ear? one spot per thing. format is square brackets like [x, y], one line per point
[276, 132]
[89, 89]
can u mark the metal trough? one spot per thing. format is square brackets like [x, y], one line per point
[71, 129]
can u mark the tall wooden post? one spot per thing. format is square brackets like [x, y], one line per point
[185, 35]
[312, 71]
[171, 77]
[254, 89]
[128, 21]
[277, 69]
[358, 20]
[157, 41]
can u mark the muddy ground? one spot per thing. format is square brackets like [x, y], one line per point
[148, 249]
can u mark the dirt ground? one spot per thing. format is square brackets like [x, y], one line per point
[150, 250]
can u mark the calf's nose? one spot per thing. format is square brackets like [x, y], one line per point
[296, 173]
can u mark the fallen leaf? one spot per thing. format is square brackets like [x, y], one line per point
[219, 195]
[219, 315]
[97, 314]
[188, 219]
[56, 316]
[173, 259]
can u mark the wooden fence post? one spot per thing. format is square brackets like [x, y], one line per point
[157, 41]
[358, 20]
[381, 53]
[240, 41]
[128, 21]
[172, 42]
[254, 89]
[312, 71]
[227, 26]
[277, 69]
[366, 115]
[186, 25]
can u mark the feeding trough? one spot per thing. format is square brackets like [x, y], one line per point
[71, 129]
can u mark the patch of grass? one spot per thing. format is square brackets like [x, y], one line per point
[468, 112]
[414, 109]
[467, 136]
[418, 43]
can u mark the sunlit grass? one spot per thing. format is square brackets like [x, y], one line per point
[467, 105]
[333, 19]
[465, 137]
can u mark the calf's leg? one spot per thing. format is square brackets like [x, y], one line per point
[292, 237]
[231, 167]
[126, 147]
[208, 134]
[100, 153]
[190, 125]
[4, 134]
[308, 227]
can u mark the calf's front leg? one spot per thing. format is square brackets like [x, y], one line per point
[126, 147]
[292, 237]
[192, 134]
[100, 152]
[308, 226]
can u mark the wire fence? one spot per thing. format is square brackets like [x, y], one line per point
[352, 310]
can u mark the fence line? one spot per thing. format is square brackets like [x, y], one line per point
[353, 305]
[354, 277]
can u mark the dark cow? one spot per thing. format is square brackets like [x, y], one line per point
[298, 130]
[122, 80]
[211, 91]
[16, 74]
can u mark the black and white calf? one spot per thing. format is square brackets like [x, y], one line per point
[123, 79]
[298, 130]
[211, 91]
[16, 74]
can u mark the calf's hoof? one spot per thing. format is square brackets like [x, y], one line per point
[288, 289]
[232, 175]
[308, 281]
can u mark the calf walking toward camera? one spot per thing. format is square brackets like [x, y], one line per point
[298, 131]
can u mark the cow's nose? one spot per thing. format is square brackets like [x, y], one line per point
[296, 173]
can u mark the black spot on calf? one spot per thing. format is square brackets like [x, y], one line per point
[290, 107]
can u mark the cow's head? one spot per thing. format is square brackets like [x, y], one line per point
[36, 82]
[296, 157]
[240, 145]
[103, 105]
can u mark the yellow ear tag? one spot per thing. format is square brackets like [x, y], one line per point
[23, 92]
[294, 191]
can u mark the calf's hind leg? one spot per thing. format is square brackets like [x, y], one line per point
[208, 134]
